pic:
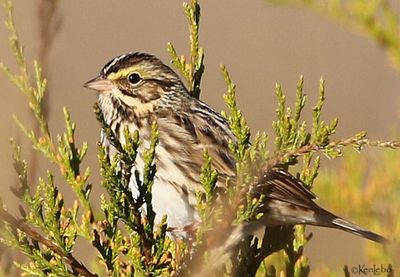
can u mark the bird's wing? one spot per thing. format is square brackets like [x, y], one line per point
[197, 129]
[214, 135]
[281, 185]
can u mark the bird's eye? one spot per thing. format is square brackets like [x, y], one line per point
[134, 78]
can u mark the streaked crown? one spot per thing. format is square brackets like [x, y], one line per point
[145, 65]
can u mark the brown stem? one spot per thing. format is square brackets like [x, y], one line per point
[49, 25]
[15, 223]
[354, 140]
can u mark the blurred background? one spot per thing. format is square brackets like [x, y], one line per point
[260, 43]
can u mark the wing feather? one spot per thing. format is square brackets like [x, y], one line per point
[281, 185]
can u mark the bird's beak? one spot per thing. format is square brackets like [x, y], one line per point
[100, 84]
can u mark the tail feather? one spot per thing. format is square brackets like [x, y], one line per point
[334, 221]
[345, 225]
[220, 254]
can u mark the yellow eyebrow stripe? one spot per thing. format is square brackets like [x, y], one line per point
[123, 73]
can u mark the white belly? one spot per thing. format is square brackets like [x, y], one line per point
[168, 199]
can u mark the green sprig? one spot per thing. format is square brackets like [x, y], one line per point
[192, 71]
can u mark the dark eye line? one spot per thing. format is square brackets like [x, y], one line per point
[163, 83]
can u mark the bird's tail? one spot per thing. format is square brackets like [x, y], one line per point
[327, 219]
[219, 255]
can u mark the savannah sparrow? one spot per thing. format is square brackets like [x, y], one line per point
[136, 89]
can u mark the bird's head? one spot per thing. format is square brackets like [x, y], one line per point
[136, 79]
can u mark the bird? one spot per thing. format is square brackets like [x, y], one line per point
[137, 89]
